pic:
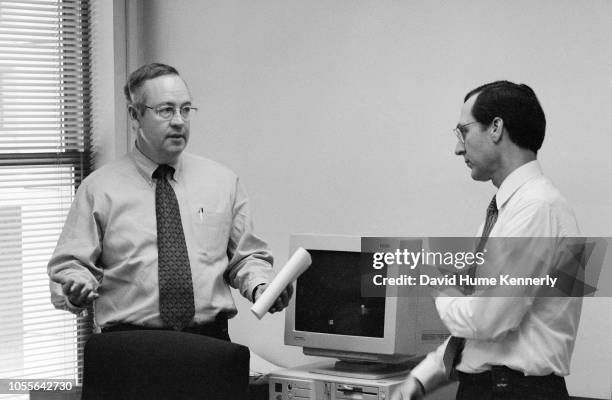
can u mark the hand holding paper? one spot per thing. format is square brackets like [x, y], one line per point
[297, 264]
[281, 301]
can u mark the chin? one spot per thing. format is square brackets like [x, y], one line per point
[176, 149]
[174, 152]
[479, 177]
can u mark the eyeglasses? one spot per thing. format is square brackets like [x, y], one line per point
[460, 132]
[168, 112]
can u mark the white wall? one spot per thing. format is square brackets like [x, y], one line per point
[338, 114]
[110, 137]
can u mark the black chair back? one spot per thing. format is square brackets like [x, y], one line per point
[154, 364]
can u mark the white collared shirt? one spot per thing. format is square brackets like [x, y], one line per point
[534, 335]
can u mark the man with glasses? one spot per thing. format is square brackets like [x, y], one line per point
[507, 347]
[156, 238]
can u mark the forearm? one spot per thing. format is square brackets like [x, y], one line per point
[431, 372]
[482, 318]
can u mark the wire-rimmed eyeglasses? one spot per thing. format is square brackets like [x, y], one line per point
[167, 111]
[460, 131]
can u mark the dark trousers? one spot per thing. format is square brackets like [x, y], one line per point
[216, 329]
[503, 383]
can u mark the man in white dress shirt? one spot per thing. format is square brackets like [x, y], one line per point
[511, 347]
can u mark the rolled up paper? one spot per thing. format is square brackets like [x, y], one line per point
[297, 264]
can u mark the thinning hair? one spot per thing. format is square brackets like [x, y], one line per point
[136, 80]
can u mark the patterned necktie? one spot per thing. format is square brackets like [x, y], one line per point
[486, 231]
[452, 353]
[176, 306]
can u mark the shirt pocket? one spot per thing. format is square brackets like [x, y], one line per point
[211, 233]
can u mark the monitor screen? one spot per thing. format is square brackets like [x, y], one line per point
[328, 297]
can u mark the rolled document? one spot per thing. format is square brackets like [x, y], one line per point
[297, 264]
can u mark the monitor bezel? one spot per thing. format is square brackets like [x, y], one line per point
[389, 349]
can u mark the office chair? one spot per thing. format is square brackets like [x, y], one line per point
[154, 364]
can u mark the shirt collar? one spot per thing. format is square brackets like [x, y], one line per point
[146, 166]
[515, 180]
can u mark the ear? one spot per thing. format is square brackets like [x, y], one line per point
[497, 128]
[133, 112]
[134, 116]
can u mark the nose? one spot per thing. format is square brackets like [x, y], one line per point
[177, 119]
[459, 148]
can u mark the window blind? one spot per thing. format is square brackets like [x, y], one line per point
[44, 155]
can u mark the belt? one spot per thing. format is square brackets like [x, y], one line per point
[503, 379]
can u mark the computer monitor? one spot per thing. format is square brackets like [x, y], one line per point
[329, 316]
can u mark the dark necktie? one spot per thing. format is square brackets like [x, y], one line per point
[486, 231]
[452, 353]
[176, 306]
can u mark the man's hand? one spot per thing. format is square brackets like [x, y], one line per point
[80, 292]
[411, 389]
[281, 302]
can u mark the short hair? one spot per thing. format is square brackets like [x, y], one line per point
[519, 108]
[146, 72]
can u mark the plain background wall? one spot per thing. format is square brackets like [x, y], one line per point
[337, 115]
